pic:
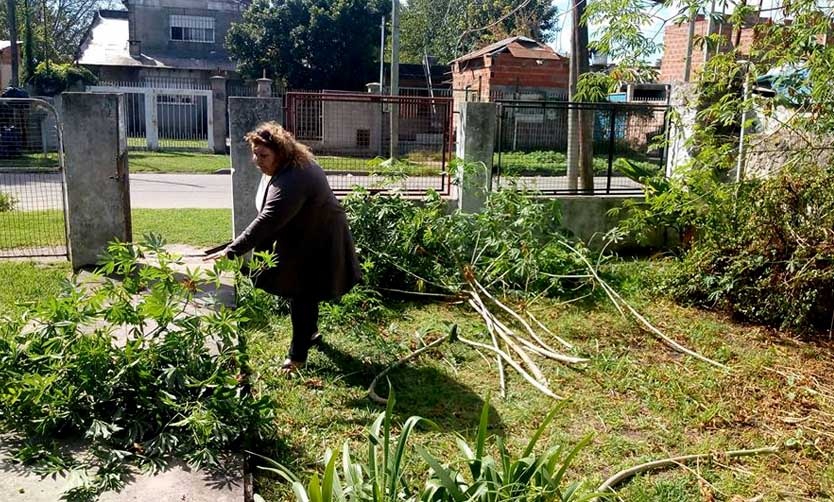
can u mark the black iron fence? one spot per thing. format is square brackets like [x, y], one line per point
[537, 148]
[351, 136]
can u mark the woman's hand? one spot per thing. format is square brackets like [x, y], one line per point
[216, 256]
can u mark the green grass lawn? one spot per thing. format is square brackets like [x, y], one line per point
[196, 227]
[29, 282]
[206, 163]
[639, 400]
[176, 162]
[553, 163]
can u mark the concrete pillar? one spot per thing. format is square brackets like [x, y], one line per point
[151, 120]
[475, 146]
[218, 113]
[96, 172]
[244, 115]
[264, 88]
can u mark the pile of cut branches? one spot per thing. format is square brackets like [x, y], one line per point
[516, 247]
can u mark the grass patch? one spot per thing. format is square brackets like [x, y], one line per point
[552, 163]
[28, 282]
[640, 401]
[176, 162]
[20, 229]
[195, 227]
[418, 164]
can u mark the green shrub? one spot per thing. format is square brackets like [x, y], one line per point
[54, 78]
[764, 249]
[158, 392]
[514, 244]
[7, 202]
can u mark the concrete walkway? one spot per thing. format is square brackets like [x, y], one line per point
[176, 484]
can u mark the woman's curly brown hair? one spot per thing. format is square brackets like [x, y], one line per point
[279, 140]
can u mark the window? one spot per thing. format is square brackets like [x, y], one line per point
[192, 28]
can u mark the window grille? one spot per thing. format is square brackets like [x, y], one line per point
[192, 28]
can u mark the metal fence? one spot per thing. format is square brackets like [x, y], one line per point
[165, 117]
[532, 142]
[350, 134]
[32, 204]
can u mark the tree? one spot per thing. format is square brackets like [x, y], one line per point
[447, 29]
[309, 44]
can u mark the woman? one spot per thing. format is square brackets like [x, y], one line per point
[302, 223]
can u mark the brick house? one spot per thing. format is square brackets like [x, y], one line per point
[516, 67]
[676, 37]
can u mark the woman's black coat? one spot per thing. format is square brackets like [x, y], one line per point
[303, 223]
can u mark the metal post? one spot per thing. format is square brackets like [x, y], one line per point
[382, 56]
[611, 131]
[395, 79]
[742, 135]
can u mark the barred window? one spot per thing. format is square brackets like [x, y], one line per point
[192, 28]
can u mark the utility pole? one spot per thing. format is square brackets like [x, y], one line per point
[382, 55]
[580, 122]
[12, 20]
[395, 79]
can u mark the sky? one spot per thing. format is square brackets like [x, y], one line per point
[562, 43]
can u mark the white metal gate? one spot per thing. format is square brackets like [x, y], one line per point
[165, 118]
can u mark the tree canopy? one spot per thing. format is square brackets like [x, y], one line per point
[312, 44]
[447, 29]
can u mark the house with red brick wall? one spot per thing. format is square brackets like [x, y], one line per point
[514, 68]
[676, 38]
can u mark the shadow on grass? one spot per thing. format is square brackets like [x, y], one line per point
[420, 390]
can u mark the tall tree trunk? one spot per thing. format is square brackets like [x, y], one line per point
[586, 117]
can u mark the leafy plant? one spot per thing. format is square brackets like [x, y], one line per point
[54, 78]
[383, 476]
[133, 365]
[7, 202]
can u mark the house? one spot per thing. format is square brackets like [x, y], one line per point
[6, 62]
[514, 68]
[676, 41]
[157, 40]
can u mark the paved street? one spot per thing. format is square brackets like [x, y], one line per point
[43, 191]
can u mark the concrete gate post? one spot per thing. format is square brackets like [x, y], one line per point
[97, 186]
[244, 115]
[475, 147]
[218, 113]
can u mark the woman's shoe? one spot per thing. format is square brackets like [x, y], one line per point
[290, 367]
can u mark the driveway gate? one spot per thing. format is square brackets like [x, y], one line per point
[32, 199]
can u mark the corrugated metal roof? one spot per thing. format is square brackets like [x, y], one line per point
[106, 45]
[534, 53]
[522, 46]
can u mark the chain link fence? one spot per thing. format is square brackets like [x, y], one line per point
[32, 204]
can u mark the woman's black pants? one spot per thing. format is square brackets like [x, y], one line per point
[304, 314]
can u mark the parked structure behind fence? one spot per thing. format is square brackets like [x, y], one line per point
[350, 134]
